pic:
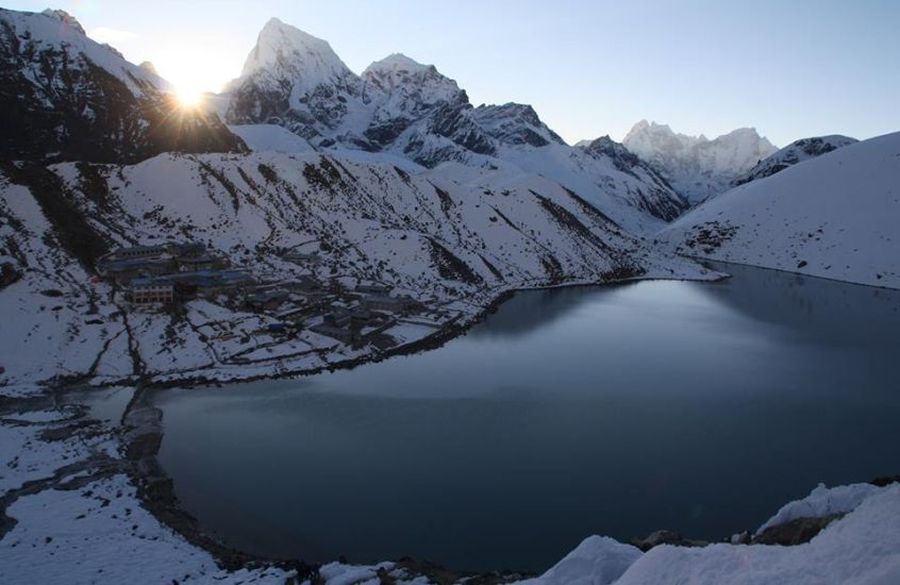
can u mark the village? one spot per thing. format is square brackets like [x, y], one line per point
[172, 274]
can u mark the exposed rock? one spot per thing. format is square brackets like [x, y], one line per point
[796, 152]
[796, 531]
[885, 480]
[665, 537]
[8, 274]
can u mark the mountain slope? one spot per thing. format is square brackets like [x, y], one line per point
[834, 216]
[794, 153]
[696, 166]
[660, 200]
[66, 97]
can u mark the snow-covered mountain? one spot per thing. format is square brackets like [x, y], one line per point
[403, 108]
[659, 200]
[64, 97]
[696, 166]
[796, 152]
[833, 216]
[295, 80]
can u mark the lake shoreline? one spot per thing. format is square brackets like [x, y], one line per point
[157, 490]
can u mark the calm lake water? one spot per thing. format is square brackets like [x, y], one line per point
[619, 410]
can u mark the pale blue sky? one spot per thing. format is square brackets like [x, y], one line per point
[789, 68]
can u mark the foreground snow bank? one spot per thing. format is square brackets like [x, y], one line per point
[598, 560]
[861, 548]
[822, 501]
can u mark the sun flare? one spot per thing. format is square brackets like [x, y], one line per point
[189, 98]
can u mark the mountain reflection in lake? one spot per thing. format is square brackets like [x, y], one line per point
[614, 410]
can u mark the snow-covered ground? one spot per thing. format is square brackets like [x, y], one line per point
[834, 216]
[269, 137]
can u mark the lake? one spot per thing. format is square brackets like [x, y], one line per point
[616, 410]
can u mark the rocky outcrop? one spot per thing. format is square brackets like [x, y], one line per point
[797, 531]
[796, 152]
[665, 537]
[8, 274]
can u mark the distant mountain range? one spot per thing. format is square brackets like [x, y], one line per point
[410, 110]
[696, 166]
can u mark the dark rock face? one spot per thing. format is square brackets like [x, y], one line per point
[385, 133]
[253, 103]
[8, 274]
[797, 531]
[452, 267]
[815, 146]
[795, 153]
[885, 480]
[622, 158]
[665, 537]
[455, 123]
[708, 236]
[516, 124]
[54, 106]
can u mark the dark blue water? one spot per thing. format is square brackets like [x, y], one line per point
[612, 410]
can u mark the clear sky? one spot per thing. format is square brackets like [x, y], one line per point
[790, 68]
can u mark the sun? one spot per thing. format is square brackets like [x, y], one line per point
[189, 97]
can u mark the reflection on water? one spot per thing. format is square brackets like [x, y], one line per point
[612, 410]
[814, 308]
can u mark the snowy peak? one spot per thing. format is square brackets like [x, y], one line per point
[649, 135]
[397, 62]
[65, 18]
[606, 146]
[295, 80]
[287, 50]
[794, 153]
[401, 79]
[695, 165]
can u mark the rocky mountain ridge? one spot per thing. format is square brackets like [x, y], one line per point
[794, 153]
[403, 108]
